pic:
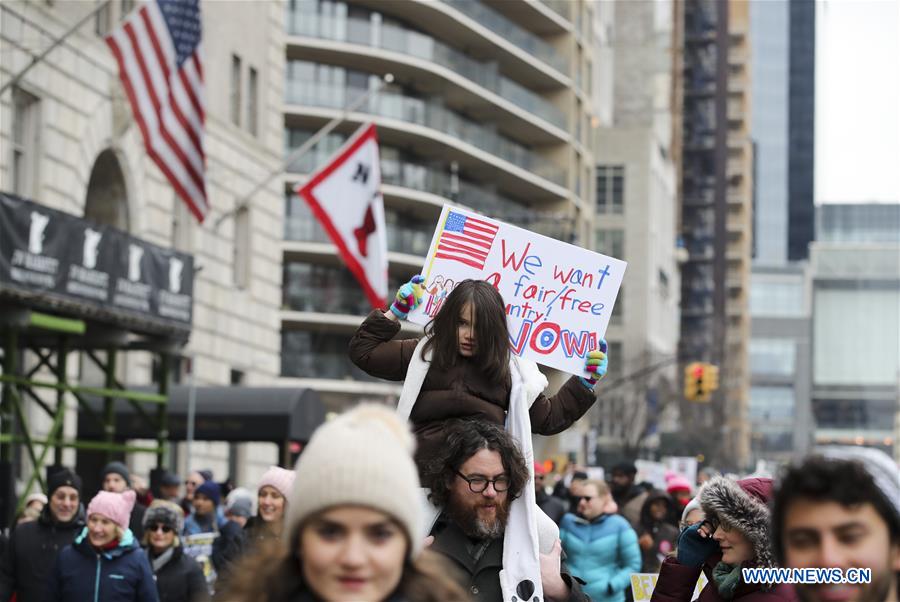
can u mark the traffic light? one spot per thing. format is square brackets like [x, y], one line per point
[700, 380]
[693, 381]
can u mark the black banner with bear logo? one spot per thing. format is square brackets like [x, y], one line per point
[54, 256]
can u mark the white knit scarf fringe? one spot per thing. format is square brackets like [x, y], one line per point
[521, 557]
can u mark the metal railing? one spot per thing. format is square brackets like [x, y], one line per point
[502, 26]
[429, 113]
[408, 42]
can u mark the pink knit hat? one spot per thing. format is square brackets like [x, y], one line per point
[114, 506]
[279, 478]
[677, 483]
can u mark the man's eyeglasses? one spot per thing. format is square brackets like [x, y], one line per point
[586, 498]
[194, 483]
[479, 484]
[165, 528]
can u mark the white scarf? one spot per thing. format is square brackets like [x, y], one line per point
[521, 549]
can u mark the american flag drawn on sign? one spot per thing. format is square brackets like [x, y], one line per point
[466, 239]
[157, 49]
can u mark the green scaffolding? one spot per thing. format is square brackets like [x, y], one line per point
[52, 338]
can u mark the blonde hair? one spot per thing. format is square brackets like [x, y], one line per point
[601, 486]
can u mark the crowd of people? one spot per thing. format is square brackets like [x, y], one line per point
[440, 500]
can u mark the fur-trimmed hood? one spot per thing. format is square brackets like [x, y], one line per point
[743, 505]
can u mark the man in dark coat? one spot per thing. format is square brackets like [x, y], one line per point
[33, 546]
[474, 480]
[116, 478]
[628, 496]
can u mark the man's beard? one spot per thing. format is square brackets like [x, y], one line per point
[619, 489]
[466, 517]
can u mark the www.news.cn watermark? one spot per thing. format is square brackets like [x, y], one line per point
[808, 576]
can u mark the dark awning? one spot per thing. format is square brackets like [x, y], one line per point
[276, 414]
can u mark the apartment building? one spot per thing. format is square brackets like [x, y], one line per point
[489, 108]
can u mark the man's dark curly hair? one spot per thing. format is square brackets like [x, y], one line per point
[821, 479]
[463, 439]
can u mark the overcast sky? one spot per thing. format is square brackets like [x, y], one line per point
[857, 101]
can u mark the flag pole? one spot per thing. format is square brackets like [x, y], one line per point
[306, 146]
[34, 61]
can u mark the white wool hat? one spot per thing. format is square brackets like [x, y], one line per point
[363, 458]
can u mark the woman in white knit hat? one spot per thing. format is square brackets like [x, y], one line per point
[354, 528]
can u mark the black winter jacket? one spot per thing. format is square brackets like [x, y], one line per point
[180, 579]
[31, 553]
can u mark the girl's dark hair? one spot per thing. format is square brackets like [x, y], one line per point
[491, 332]
[463, 440]
[272, 573]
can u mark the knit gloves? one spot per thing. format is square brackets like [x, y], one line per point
[596, 364]
[408, 297]
[693, 548]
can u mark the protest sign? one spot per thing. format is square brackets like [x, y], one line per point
[683, 465]
[558, 297]
[652, 472]
[643, 584]
[595, 473]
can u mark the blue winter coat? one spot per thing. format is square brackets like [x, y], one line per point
[603, 553]
[122, 574]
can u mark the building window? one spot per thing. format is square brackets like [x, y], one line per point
[772, 356]
[103, 18]
[776, 298]
[236, 377]
[235, 89]
[610, 188]
[611, 242]
[617, 359]
[25, 142]
[241, 260]
[619, 308]
[182, 236]
[663, 279]
[127, 5]
[252, 100]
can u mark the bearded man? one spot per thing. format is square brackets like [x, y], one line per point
[478, 473]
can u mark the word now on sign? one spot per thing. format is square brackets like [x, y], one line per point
[558, 297]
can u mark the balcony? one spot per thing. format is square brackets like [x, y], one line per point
[511, 32]
[411, 43]
[431, 114]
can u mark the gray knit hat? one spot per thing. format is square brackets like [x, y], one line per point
[884, 471]
[165, 513]
[360, 458]
[120, 469]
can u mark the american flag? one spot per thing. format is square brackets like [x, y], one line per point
[158, 51]
[466, 239]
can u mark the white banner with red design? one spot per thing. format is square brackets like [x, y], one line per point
[345, 196]
[558, 297]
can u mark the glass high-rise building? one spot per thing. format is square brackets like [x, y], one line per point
[783, 128]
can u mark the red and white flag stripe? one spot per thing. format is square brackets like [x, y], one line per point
[168, 101]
